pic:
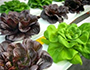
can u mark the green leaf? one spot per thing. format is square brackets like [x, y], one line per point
[76, 59]
[83, 38]
[85, 27]
[50, 33]
[86, 55]
[61, 29]
[3, 8]
[7, 11]
[54, 51]
[45, 41]
[58, 52]
[84, 49]
[65, 42]
[19, 10]
[72, 31]
[62, 25]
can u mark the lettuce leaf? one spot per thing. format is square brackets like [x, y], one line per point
[50, 33]
[59, 53]
[76, 59]
[85, 27]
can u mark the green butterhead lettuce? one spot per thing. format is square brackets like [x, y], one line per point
[38, 3]
[68, 42]
[14, 5]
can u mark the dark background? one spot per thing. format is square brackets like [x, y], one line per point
[85, 66]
